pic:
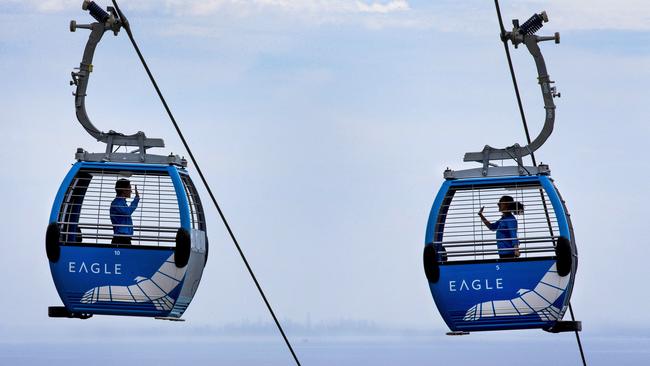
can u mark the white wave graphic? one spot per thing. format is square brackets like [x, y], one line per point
[154, 289]
[539, 300]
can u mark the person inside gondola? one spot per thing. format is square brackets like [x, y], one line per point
[121, 212]
[506, 226]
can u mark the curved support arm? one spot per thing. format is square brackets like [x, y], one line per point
[548, 93]
[81, 77]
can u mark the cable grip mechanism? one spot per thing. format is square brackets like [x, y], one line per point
[529, 28]
[526, 34]
[110, 19]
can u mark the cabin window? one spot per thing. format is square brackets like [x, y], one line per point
[196, 208]
[85, 212]
[460, 235]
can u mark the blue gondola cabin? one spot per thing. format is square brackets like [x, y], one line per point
[476, 287]
[156, 272]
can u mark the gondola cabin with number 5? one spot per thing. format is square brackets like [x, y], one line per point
[476, 285]
[500, 252]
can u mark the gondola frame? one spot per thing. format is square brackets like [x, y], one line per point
[439, 266]
[148, 260]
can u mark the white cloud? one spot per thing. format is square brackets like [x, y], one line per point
[325, 7]
[602, 14]
[369, 13]
[443, 15]
[44, 6]
[210, 7]
[397, 5]
[50, 5]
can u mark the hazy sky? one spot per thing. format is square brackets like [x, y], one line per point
[324, 128]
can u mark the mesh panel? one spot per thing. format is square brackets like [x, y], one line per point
[463, 235]
[196, 209]
[85, 212]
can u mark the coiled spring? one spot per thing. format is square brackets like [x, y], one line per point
[97, 12]
[533, 24]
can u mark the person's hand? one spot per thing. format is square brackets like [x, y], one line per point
[137, 194]
[480, 212]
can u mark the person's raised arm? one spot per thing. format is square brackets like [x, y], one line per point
[134, 203]
[486, 222]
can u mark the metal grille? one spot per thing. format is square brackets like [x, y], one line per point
[464, 237]
[196, 208]
[85, 212]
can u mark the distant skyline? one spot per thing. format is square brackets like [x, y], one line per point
[324, 128]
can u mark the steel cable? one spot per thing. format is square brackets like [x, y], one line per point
[532, 155]
[205, 182]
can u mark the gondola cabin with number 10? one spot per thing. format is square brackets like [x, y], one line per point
[111, 253]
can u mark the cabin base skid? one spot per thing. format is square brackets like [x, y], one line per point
[565, 326]
[170, 318]
[560, 326]
[63, 312]
[457, 333]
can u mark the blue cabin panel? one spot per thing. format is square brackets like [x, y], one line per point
[122, 281]
[502, 295]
